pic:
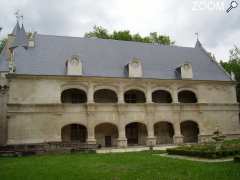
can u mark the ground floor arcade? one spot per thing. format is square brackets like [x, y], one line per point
[132, 134]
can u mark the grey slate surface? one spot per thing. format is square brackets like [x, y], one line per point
[107, 58]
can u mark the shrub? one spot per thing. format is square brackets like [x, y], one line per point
[229, 148]
[237, 159]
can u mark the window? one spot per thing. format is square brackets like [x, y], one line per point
[73, 96]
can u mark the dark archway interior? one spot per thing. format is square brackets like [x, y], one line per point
[134, 96]
[187, 97]
[190, 131]
[74, 133]
[161, 96]
[73, 96]
[164, 132]
[136, 134]
[105, 96]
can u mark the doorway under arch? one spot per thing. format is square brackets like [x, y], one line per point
[106, 135]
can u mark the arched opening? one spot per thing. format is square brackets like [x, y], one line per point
[105, 96]
[164, 132]
[134, 96]
[187, 97]
[161, 96]
[136, 134]
[106, 135]
[73, 96]
[74, 133]
[190, 131]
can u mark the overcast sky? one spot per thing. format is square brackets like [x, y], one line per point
[180, 19]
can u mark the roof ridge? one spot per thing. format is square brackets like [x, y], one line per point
[135, 42]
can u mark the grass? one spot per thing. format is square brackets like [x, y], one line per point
[124, 166]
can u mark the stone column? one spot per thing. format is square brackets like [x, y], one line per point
[120, 95]
[91, 135]
[90, 125]
[122, 140]
[175, 96]
[149, 94]
[177, 138]
[151, 139]
[90, 93]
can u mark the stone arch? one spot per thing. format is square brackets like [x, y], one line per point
[161, 96]
[105, 96]
[73, 95]
[74, 132]
[187, 96]
[190, 131]
[106, 134]
[81, 86]
[164, 132]
[136, 133]
[134, 96]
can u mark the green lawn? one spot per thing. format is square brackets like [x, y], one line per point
[125, 166]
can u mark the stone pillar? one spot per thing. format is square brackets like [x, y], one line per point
[91, 135]
[175, 96]
[120, 95]
[90, 125]
[90, 93]
[122, 140]
[149, 94]
[151, 139]
[177, 138]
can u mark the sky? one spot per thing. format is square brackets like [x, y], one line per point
[218, 31]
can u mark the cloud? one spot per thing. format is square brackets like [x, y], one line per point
[218, 30]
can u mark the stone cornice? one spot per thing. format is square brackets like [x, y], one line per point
[113, 79]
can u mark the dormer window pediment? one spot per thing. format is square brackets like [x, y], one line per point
[135, 68]
[74, 66]
[186, 71]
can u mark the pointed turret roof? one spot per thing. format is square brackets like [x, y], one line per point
[23, 36]
[20, 37]
[15, 29]
[198, 44]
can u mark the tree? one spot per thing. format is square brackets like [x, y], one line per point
[154, 37]
[233, 65]
[2, 44]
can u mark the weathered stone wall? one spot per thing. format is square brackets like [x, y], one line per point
[3, 108]
[36, 114]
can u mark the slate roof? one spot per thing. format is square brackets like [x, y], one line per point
[108, 58]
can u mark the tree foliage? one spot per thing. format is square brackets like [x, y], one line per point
[2, 44]
[125, 35]
[233, 65]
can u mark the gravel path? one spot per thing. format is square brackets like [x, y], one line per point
[196, 158]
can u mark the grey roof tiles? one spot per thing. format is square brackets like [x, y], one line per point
[108, 58]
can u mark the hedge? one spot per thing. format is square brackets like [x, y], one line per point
[204, 154]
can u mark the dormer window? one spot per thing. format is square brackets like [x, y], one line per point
[74, 66]
[135, 68]
[185, 71]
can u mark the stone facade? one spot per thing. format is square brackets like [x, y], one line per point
[32, 111]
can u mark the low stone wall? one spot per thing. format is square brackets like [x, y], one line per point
[44, 148]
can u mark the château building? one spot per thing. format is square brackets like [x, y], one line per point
[59, 89]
